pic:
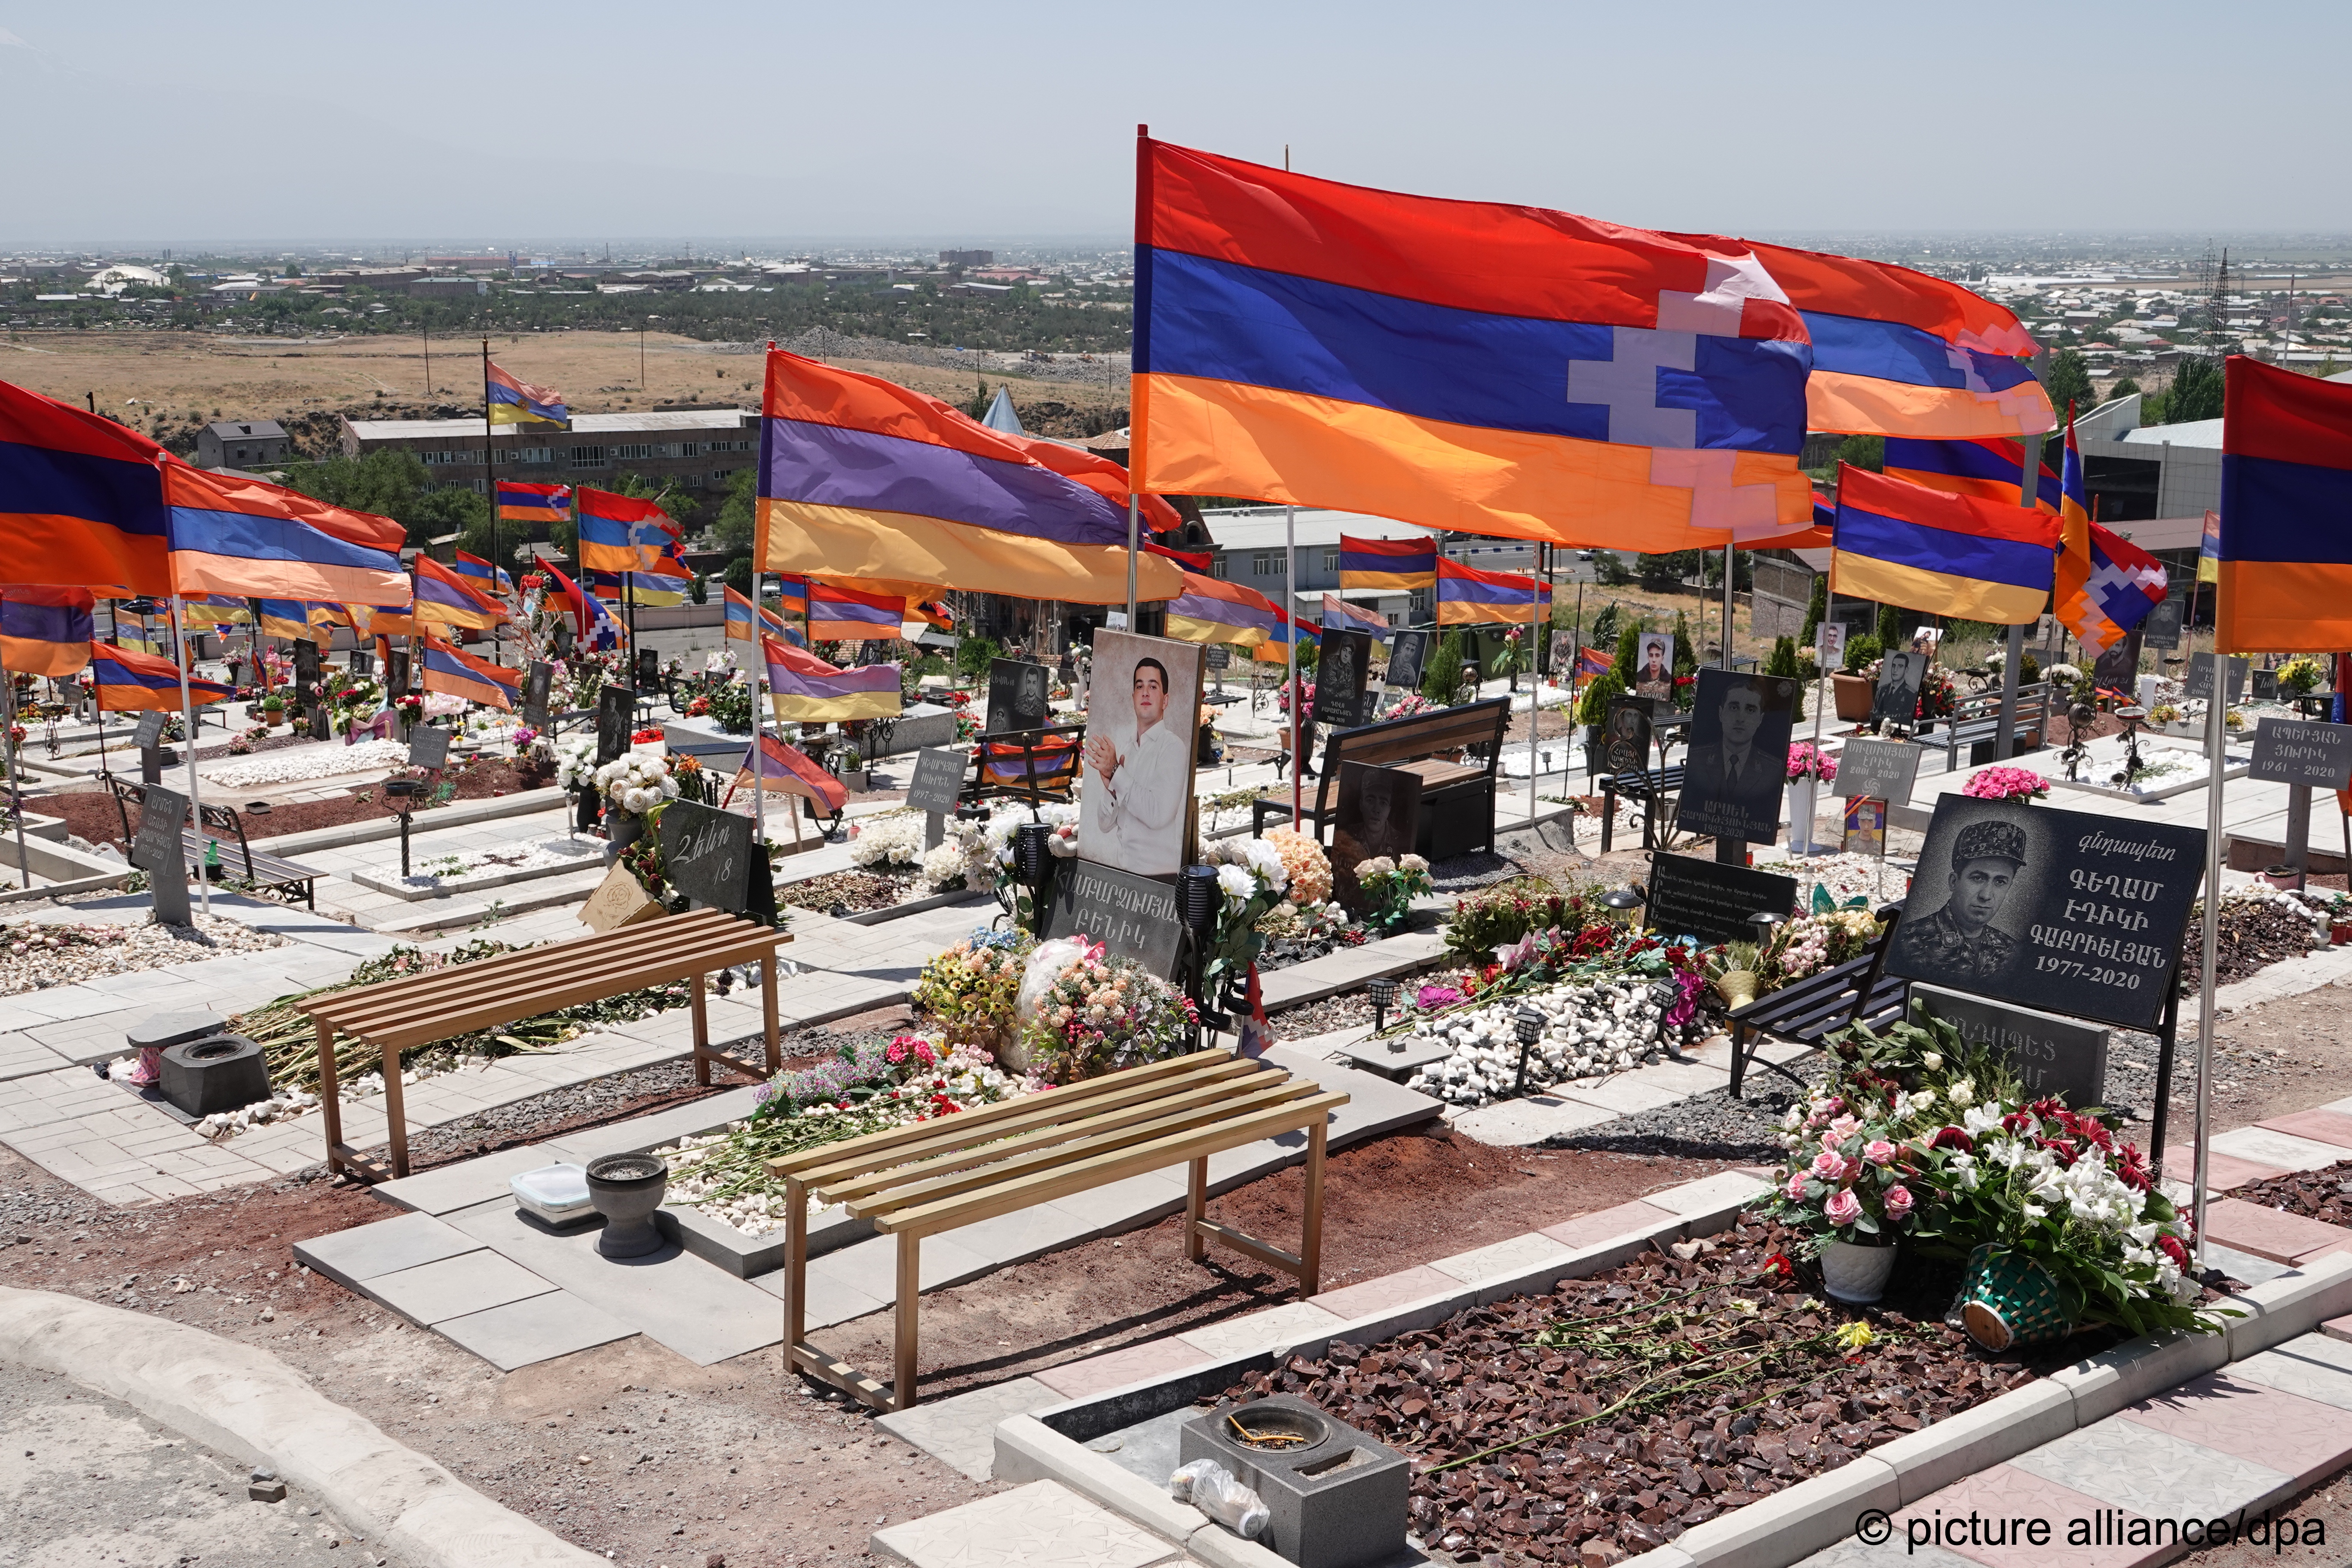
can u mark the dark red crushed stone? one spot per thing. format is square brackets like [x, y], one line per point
[1619, 1486]
[2253, 937]
[2324, 1194]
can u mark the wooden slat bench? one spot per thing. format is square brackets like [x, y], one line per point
[269, 873]
[1426, 744]
[933, 1177]
[397, 1015]
[1809, 1010]
[1976, 720]
[1651, 786]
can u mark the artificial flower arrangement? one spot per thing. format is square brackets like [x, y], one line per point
[1084, 1014]
[1807, 761]
[2006, 783]
[1937, 697]
[881, 844]
[636, 781]
[1813, 942]
[963, 858]
[1309, 869]
[576, 761]
[1282, 697]
[2300, 676]
[1390, 886]
[967, 991]
[1845, 1177]
[1409, 704]
[1253, 877]
[2066, 676]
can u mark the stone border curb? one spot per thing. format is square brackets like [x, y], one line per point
[243, 1401]
[1774, 1531]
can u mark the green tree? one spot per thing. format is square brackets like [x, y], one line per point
[1685, 662]
[1442, 681]
[1864, 452]
[1604, 627]
[2124, 388]
[1890, 627]
[1628, 652]
[1609, 568]
[739, 514]
[738, 575]
[2070, 383]
[978, 406]
[2195, 392]
[1605, 689]
[1817, 609]
[1784, 663]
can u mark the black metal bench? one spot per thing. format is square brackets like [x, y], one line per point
[1414, 744]
[1651, 786]
[266, 873]
[1808, 1011]
[1976, 722]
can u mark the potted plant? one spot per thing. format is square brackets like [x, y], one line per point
[1843, 1183]
[2299, 676]
[853, 771]
[1809, 768]
[1853, 688]
[273, 710]
[2006, 783]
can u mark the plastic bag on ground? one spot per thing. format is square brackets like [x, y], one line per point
[1213, 1488]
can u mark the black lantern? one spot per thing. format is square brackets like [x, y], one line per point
[1029, 853]
[1621, 902]
[1528, 1024]
[1383, 995]
[1197, 899]
[1765, 921]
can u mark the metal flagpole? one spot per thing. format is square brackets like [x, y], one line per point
[759, 718]
[491, 487]
[188, 718]
[1726, 604]
[15, 787]
[1535, 686]
[1290, 649]
[2217, 706]
[1134, 543]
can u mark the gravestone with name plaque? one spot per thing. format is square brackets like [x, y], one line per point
[937, 787]
[1711, 900]
[707, 854]
[2062, 910]
[395, 673]
[158, 850]
[2051, 1054]
[537, 681]
[306, 664]
[1378, 814]
[616, 712]
[1219, 654]
[1017, 697]
[1408, 659]
[150, 738]
[2199, 683]
[2302, 751]
[2162, 628]
[1132, 916]
[1881, 770]
[1895, 699]
[428, 747]
[1342, 670]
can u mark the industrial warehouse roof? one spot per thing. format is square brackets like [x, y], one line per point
[1261, 528]
[582, 425]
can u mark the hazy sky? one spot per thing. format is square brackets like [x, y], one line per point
[148, 123]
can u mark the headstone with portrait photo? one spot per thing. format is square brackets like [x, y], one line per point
[1896, 702]
[306, 663]
[1829, 645]
[1342, 670]
[1654, 666]
[1737, 769]
[563, 637]
[537, 681]
[2161, 629]
[1408, 660]
[2118, 669]
[616, 714]
[1136, 809]
[395, 674]
[1379, 815]
[2063, 910]
[1625, 742]
[1017, 697]
[1865, 826]
[361, 662]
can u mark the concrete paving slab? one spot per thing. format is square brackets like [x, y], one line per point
[2281, 1151]
[1528, 1119]
[1129, 1364]
[2138, 1468]
[470, 1282]
[1024, 1234]
[1041, 1525]
[538, 1328]
[1517, 1254]
[1367, 1297]
[2320, 1126]
[1609, 1224]
[1999, 1494]
[872, 1267]
[464, 1185]
[2242, 1266]
[1287, 1324]
[352, 1258]
[962, 1430]
[2310, 1366]
[1621, 1095]
[697, 1310]
[830, 1300]
[2260, 1423]
[2270, 1233]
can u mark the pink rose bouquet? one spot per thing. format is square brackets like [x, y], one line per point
[2006, 783]
[1846, 1174]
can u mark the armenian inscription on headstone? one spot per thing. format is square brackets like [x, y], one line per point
[709, 854]
[1713, 901]
[2302, 751]
[1134, 917]
[1016, 696]
[2201, 676]
[2062, 911]
[1881, 770]
[157, 850]
[616, 712]
[2051, 1055]
[1380, 814]
[537, 681]
[428, 747]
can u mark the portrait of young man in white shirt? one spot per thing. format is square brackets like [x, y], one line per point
[1140, 768]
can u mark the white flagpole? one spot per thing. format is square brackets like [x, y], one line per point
[1290, 653]
[2215, 738]
[188, 720]
[760, 719]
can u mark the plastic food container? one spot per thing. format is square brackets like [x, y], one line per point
[556, 1194]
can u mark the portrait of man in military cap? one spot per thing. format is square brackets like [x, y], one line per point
[1961, 942]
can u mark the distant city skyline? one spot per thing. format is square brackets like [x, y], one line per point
[142, 125]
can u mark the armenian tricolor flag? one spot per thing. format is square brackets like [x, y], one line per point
[1469, 598]
[745, 619]
[931, 613]
[647, 590]
[1338, 615]
[450, 670]
[868, 480]
[1901, 544]
[2285, 545]
[2107, 584]
[1275, 648]
[485, 577]
[1470, 365]
[79, 502]
[1896, 352]
[790, 771]
[261, 541]
[621, 533]
[287, 619]
[128, 682]
[837, 612]
[444, 598]
[513, 401]
[1395, 564]
[543, 504]
[1987, 467]
[804, 688]
[1211, 609]
[1593, 661]
[1047, 762]
[45, 631]
[792, 596]
[214, 610]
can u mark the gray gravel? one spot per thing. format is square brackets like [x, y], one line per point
[1710, 1126]
[89, 1480]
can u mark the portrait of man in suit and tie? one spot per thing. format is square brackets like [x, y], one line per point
[1738, 760]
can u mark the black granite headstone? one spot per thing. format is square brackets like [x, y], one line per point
[1625, 743]
[2302, 751]
[1340, 673]
[2162, 628]
[1896, 698]
[2051, 1054]
[1737, 769]
[395, 673]
[1132, 916]
[709, 854]
[1713, 901]
[1408, 659]
[159, 851]
[1017, 697]
[536, 682]
[306, 663]
[1378, 814]
[2063, 910]
[428, 747]
[616, 715]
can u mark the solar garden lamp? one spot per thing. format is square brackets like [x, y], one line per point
[1621, 902]
[1664, 993]
[404, 793]
[1382, 993]
[1197, 901]
[1765, 922]
[1528, 1024]
[1032, 864]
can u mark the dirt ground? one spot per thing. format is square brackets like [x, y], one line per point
[90, 810]
[217, 376]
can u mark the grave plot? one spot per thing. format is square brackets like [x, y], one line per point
[36, 954]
